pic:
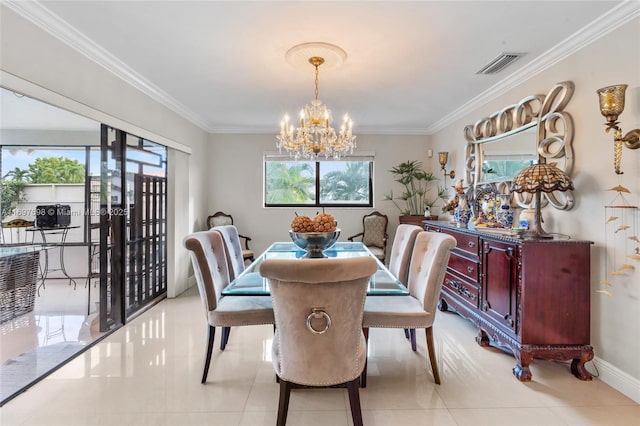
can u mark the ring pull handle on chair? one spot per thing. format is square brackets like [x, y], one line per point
[318, 313]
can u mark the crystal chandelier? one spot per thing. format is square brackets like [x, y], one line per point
[315, 136]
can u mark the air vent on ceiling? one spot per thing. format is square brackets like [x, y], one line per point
[500, 63]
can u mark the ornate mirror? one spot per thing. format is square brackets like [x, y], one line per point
[534, 130]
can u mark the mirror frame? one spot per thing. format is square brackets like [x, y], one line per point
[554, 137]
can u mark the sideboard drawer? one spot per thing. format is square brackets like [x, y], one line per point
[464, 266]
[461, 289]
[467, 243]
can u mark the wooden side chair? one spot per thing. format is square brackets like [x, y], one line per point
[221, 219]
[374, 234]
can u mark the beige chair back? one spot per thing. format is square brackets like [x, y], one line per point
[428, 266]
[299, 288]
[235, 260]
[401, 250]
[209, 260]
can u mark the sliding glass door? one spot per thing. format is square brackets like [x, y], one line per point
[133, 226]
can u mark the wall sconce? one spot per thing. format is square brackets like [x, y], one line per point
[611, 106]
[443, 157]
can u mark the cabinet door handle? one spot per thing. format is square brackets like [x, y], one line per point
[472, 244]
[470, 269]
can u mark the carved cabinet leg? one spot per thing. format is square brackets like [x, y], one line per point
[482, 339]
[577, 365]
[442, 306]
[521, 369]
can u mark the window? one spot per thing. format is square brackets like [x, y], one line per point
[497, 168]
[330, 183]
[44, 175]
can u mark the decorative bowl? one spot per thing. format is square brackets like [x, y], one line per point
[314, 242]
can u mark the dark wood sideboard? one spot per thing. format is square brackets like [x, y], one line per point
[531, 297]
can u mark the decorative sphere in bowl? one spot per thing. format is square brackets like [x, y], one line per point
[314, 242]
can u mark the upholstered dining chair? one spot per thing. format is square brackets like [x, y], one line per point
[319, 341]
[222, 219]
[401, 249]
[374, 234]
[208, 257]
[400, 258]
[233, 250]
[429, 260]
[235, 263]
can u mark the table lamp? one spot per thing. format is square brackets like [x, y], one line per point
[536, 179]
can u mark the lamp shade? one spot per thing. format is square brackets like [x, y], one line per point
[535, 180]
[443, 157]
[541, 177]
[612, 101]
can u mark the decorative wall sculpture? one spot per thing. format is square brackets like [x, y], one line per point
[621, 235]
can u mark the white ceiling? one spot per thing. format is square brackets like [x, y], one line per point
[410, 67]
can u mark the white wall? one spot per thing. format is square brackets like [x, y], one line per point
[180, 218]
[234, 184]
[614, 59]
[71, 194]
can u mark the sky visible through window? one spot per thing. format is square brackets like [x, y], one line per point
[21, 157]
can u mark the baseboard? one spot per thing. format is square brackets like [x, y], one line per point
[618, 379]
[191, 282]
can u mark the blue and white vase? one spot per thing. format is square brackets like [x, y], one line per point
[504, 214]
[463, 211]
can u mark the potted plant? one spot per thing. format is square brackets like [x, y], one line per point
[416, 197]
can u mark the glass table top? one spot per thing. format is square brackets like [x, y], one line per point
[251, 283]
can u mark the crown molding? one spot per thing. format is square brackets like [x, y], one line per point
[38, 14]
[42, 17]
[616, 17]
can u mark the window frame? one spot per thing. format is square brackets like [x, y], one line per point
[317, 161]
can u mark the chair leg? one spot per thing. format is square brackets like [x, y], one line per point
[211, 333]
[283, 404]
[432, 355]
[363, 375]
[354, 402]
[412, 334]
[225, 337]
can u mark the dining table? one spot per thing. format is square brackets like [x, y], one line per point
[251, 283]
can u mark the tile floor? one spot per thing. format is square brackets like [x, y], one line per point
[33, 344]
[148, 373]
